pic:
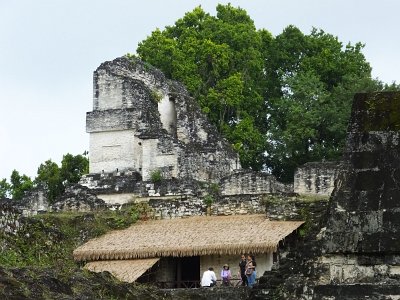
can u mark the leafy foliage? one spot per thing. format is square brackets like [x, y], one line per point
[19, 185]
[55, 179]
[73, 167]
[49, 176]
[156, 176]
[5, 188]
[208, 200]
[219, 60]
[281, 101]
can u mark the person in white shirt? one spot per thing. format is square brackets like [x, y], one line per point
[209, 279]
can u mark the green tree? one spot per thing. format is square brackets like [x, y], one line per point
[19, 185]
[220, 61]
[281, 101]
[49, 177]
[309, 115]
[73, 167]
[55, 179]
[5, 188]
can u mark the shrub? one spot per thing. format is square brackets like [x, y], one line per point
[156, 176]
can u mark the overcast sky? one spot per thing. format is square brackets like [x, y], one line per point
[50, 48]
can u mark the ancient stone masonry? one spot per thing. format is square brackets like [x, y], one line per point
[366, 208]
[243, 182]
[34, 202]
[142, 122]
[317, 178]
[195, 206]
[142, 125]
[10, 217]
[356, 253]
[78, 198]
[13, 212]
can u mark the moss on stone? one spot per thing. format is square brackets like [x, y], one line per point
[377, 111]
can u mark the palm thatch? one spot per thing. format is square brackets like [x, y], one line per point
[124, 270]
[194, 236]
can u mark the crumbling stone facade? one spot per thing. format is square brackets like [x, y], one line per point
[10, 217]
[354, 253]
[247, 182]
[317, 178]
[142, 122]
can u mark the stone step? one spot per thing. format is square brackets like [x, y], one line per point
[357, 291]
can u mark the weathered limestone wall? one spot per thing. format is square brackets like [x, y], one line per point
[10, 217]
[115, 148]
[360, 242]
[249, 182]
[351, 269]
[78, 198]
[142, 122]
[355, 254]
[294, 208]
[182, 198]
[194, 206]
[13, 212]
[316, 178]
[364, 213]
[34, 202]
[216, 293]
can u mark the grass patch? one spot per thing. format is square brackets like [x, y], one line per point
[48, 240]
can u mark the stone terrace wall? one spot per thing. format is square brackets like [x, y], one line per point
[294, 208]
[34, 202]
[192, 206]
[10, 217]
[247, 182]
[316, 178]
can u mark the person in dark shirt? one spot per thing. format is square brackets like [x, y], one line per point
[242, 266]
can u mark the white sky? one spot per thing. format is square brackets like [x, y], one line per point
[50, 48]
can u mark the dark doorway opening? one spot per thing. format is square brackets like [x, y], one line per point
[188, 272]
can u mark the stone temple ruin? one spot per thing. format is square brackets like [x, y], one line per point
[354, 251]
[144, 124]
[141, 123]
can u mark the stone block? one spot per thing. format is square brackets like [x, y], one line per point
[365, 160]
[369, 180]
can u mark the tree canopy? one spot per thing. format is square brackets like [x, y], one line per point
[281, 101]
[50, 176]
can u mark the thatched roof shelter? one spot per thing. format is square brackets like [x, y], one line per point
[193, 236]
[124, 270]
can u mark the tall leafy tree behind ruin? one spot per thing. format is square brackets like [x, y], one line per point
[281, 101]
[220, 61]
[317, 80]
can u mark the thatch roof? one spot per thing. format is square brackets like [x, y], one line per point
[124, 270]
[194, 236]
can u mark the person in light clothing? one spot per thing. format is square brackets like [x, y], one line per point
[226, 275]
[209, 278]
